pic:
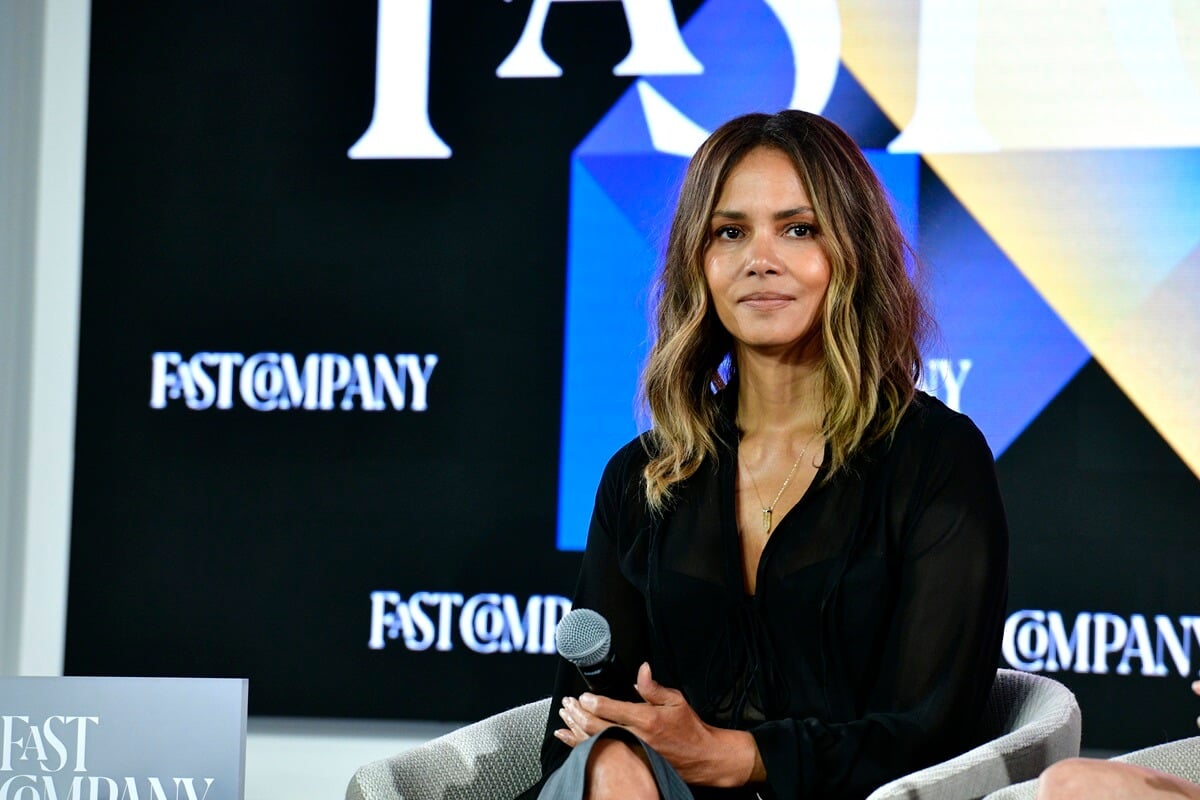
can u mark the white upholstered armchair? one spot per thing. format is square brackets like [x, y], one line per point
[1029, 723]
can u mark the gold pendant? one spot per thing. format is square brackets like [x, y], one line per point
[766, 520]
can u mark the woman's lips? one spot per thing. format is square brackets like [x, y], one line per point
[766, 301]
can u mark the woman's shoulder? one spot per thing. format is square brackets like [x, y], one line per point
[623, 472]
[619, 497]
[628, 462]
[931, 428]
[943, 474]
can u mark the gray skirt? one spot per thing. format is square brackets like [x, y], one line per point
[567, 782]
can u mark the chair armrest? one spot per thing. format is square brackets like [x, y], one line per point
[1180, 757]
[494, 759]
[1048, 729]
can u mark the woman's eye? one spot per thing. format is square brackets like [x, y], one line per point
[727, 232]
[801, 230]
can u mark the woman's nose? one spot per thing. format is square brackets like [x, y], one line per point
[762, 257]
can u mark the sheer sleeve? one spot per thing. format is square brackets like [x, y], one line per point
[607, 584]
[940, 655]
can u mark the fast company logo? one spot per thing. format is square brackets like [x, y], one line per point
[1098, 642]
[46, 758]
[483, 623]
[945, 117]
[272, 381]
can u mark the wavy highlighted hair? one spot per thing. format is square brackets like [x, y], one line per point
[872, 323]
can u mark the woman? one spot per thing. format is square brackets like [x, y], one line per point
[806, 555]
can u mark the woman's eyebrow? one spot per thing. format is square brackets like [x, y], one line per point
[788, 212]
[799, 211]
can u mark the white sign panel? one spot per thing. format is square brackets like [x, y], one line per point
[122, 738]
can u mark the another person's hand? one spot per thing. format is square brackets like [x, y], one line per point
[700, 753]
[1196, 689]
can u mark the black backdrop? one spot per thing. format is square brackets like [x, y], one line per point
[222, 215]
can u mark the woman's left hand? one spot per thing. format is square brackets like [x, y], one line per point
[700, 753]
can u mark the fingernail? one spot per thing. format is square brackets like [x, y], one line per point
[561, 735]
[1196, 686]
[588, 701]
[567, 701]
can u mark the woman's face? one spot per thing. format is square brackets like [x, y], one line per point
[766, 270]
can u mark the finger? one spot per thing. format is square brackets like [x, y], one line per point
[1196, 687]
[644, 675]
[611, 711]
[565, 736]
[574, 726]
[654, 692]
[582, 723]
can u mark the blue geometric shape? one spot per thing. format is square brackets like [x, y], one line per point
[1021, 352]
[611, 266]
[900, 175]
[622, 130]
[643, 185]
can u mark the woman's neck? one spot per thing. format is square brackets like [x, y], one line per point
[778, 396]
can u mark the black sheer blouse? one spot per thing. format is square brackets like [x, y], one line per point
[872, 640]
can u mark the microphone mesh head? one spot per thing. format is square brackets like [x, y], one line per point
[583, 637]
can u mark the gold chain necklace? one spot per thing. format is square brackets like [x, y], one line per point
[767, 511]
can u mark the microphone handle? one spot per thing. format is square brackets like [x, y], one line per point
[606, 678]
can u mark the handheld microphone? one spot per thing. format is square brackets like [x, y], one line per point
[584, 638]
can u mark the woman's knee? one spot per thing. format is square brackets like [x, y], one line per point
[616, 770]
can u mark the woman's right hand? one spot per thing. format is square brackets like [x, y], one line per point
[700, 753]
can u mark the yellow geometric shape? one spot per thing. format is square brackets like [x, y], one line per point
[1154, 356]
[879, 46]
[1098, 234]
[1099, 242]
[1078, 74]
[1072, 74]
[1091, 241]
